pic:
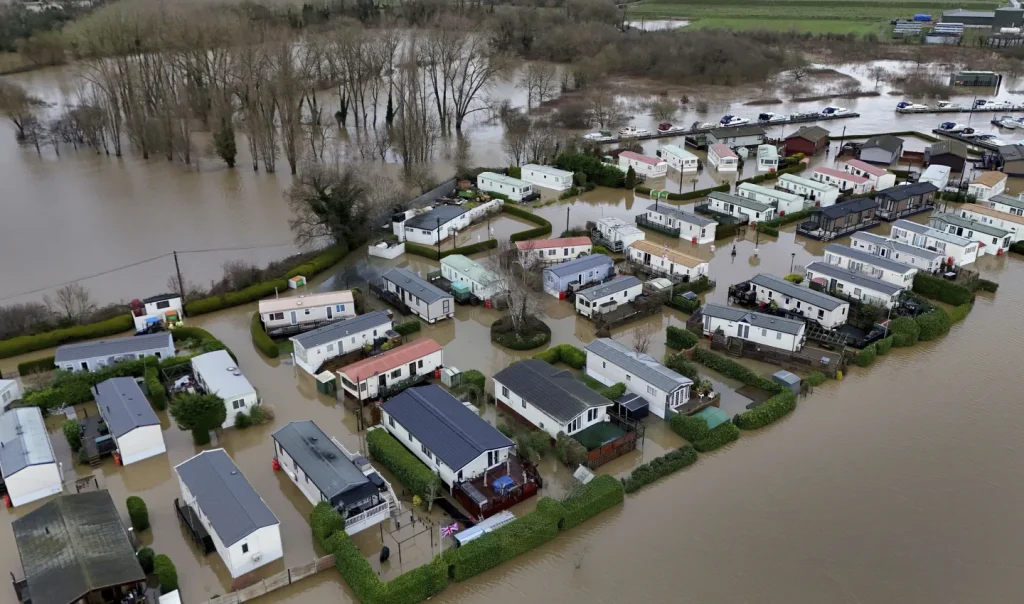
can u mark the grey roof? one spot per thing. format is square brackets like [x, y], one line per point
[811, 133]
[113, 347]
[643, 366]
[848, 207]
[678, 214]
[953, 147]
[441, 422]
[745, 130]
[1008, 200]
[804, 294]
[341, 329]
[901, 192]
[968, 223]
[580, 265]
[23, 440]
[869, 258]
[743, 202]
[888, 142]
[160, 298]
[415, 285]
[428, 220]
[75, 545]
[320, 458]
[123, 405]
[899, 246]
[831, 270]
[928, 231]
[225, 497]
[1012, 152]
[612, 287]
[754, 319]
[979, 14]
[554, 391]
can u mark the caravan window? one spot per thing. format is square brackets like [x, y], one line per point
[163, 304]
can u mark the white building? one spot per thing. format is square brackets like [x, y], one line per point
[245, 532]
[955, 250]
[133, 424]
[10, 391]
[759, 328]
[1011, 223]
[665, 262]
[878, 178]
[651, 167]
[427, 301]
[991, 239]
[722, 158]
[94, 355]
[368, 378]
[819, 194]
[767, 158]
[306, 311]
[547, 177]
[313, 348]
[744, 208]
[163, 309]
[452, 440]
[855, 285]
[816, 306]
[936, 174]
[987, 185]
[1006, 203]
[550, 399]
[324, 470]
[784, 202]
[27, 464]
[696, 229]
[513, 188]
[575, 274]
[430, 227]
[891, 271]
[483, 282]
[618, 233]
[608, 296]
[920, 258]
[610, 363]
[554, 251]
[844, 181]
[217, 373]
[679, 158]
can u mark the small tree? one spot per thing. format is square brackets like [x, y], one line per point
[224, 142]
[630, 178]
[73, 434]
[165, 573]
[138, 513]
[199, 413]
[145, 556]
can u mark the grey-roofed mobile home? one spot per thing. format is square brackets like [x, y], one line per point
[549, 398]
[897, 273]
[668, 218]
[27, 464]
[882, 149]
[91, 356]
[614, 286]
[313, 348]
[133, 424]
[815, 306]
[608, 296]
[761, 329]
[853, 284]
[588, 269]
[919, 257]
[431, 303]
[611, 363]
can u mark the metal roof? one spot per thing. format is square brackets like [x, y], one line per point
[968, 223]
[640, 157]
[547, 170]
[470, 268]
[612, 287]
[306, 301]
[415, 285]
[767, 152]
[978, 14]
[806, 182]
[667, 210]
[643, 366]
[444, 425]
[743, 202]
[74, 545]
[123, 405]
[538, 244]
[342, 329]
[779, 194]
[389, 360]
[989, 179]
[671, 255]
[953, 147]
[160, 298]
[427, 221]
[903, 248]
[848, 207]
[677, 151]
[222, 375]
[1011, 152]
[580, 265]
[1007, 200]
[810, 133]
[869, 258]
[927, 231]
[320, 458]
[235, 510]
[554, 391]
[854, 178]
[723, 151]
[114, 347]
[804, 294]
[866, 167]
[744, 130]
[754, 319]
[23, 440]
[842, 274]
[633, 402]
[507, 180]
[901, 192]
[888, 142]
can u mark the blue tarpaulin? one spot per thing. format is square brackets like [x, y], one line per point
[503, 485]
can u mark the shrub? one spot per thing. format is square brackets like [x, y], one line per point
[866, 357]
[515, 171]
[905, 332]
[722, 435]
[767, 412]
[569, 451]
[771, 227]
[679, 338]
[138, 513]
[698, 286]
[689, 427]
[157, 392]
[145, 556]
[473, 248]
[597, 172]
[416, 585]
[475, 378]
[564, 353]
[30, 367]
[589, 500]
[794, 278]
[517, 537]
[260, 339]
[613, 392]
[325, 522]
[695, 431]
[933, 324]
[730, 368]
[959, 313]
[73, 434]
[687, 306]
[942, 290]
[242, 420]
[51, 339]
[724, 231]
[540, 231]
[630, 178]
[409, 470]
[353, 566]
[815, 378]
[534, 334]
[409, 327]
[984, 285]
[1017, 247]
[417, 249]
[673, 461]
[76, 387]
[679, 364]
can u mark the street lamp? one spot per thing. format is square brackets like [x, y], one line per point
[791, 261]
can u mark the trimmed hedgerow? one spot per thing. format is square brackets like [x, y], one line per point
[431, 252]
[688, 195]
[409, 470]
[695, 431]
[883, 346]
[414, 586]
[30, 367]
[409, 327]
[942, 290]
[682, 304]
[564, 353]
[145, 557]
[417, 249]
[720, 436]
[540, 231]
[613, 392]
[263, 342]
[959, 313]
[767, 412]
[671, 462]
[816, 378]
[591, 499]
[51, 339]
[325, 522]
[73, 434]
[157, 392]
[984, 285]
[679, 364]
[905, 332]
[689, 427]
[730, 368]
[933, 324]
[866, 356]
[475, 377]
[166, 573]
[771, 227]
[678, 338]
[76, 387]
[353, 567]
[698, 286]
[515, 538]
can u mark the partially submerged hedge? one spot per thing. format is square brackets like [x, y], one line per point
[475, 377]
[883, 346]
[30, 367]
[767, 412]
[591, 499]
[564, 353]
[679, 364]
[866, 356]
[679, 338]
[671, 462]
[730, 368]
[325, 522]
[959, 313]
[933, 324]
[689, 195]
[771, 227]
[492, 549]
[431, 251]
[540, 231]
[905, 332]
[682, 304]
[695, 431]
[263, 342]
[408, 327]
[51, 339]
[942, 290]
[156, 390]
[410, 471]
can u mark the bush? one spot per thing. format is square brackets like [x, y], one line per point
[725, 231]
[260, 339]
[416, 585]
[533, 334]
[165, 573]
[682, 304]
[866, 357]
[409, 327]
[679, 364]
[73, 434]
[673, 461]
[794, 278]
[597, 172]
[883, 346]
[689, 427]
[698, 286]
[353, 566]
[76, 387]
[942, 290]
[933, 324]
[771, 227]
[613, 392]
[417, 249]
[679, 338]
[730, 368]
[540, 231]
[589, 500]
[569, 451]
[1017, 247]
[242, 420]
[259, 415]
[564, 353]
[157, 392]
[815, 378]
[515, 171]
[38, 365]
[905, 332]
[517, 537]
[722, 435]
[473, 248]
[475, 378]
[138, 513]
[959, 313]
[51, 339]
[767, 412]
[630, 178]
[145, 556]
[409, 470]
[325, 522]
[984, 285]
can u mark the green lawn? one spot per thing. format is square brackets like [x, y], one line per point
[814, 26]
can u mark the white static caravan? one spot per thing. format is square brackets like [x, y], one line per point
[767, 158]
[759, 328]
[785, 203]
[27, 464]
[609, 362]
[483, 282]
[559, 278]
[722, 158]
[313, 348]
[513, 188]
[366, 379]
[554, 251]
[987, 185]
[991, 239]
[920, 258]
[819, 194]
[429, 302]
[878, 178]
[679, 158]
[133, 424]
[306, 311]
[1006, 203]
[97, 354]
[665, 262]
[844, 181]
[651, 167]
[217, 373]
[1011, 223]
[547, 177]
[855, 285]
[955, 250]
[163, 309]
[245, 532]
[891, 271]
[607, 296]
[937, 175]
[619, 233]
[744, 208]
[10, 391]
[816, 306]
[697, 229]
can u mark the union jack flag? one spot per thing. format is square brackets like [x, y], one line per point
[449, 529]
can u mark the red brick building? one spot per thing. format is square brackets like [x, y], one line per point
[809, 140]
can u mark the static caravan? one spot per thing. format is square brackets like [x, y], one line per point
[744, 208]
[767, 158]
[609, 362]
[991, 239]
[368, 378]
[891, 271]
[905, 200]
[920, 258]
[817, 193]
[747, 135]
[549, 398]
[618, 234]
[855, 285]
[785, 203]
[554, 251]
[936, 175]
[513, 188]
[648, 166]
[582, 271]
[427, 301]
[245, 532]
[661, 261]
[679, 158]
[547, 177]
[761, 329]
[1006, 203]
[816, 306]
[668, 218]
[299, 313]
[987, 185]
[608, 296]
[483, 282]
[27, 464]
[1011, 223]
[722, 158]
[133, 424]
[844, 181]
[958, 251]
[10, 391]
[840, 219]
[878, 178]
[162, 310]
[313, 348]
[217, 374]
[432, 226]
[97, 354]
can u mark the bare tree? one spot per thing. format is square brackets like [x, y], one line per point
[517, 276]
[539, 80]
[664, 109]
[19, 106]
[517, 138]
[73, 302]
[541, 144]
[877, 74]
[642, 336]
[328, 205]
[416, 130]
[605, 110]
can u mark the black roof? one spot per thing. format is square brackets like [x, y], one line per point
[745, 130]
[160, 298]
[885, 141]
[554, 391]
[74, 545]
[848, 207]
[811, 133]
[428, 221]
[320, 459]
[948, 146]
[1012, 152]
[444, 425]
[901, 192]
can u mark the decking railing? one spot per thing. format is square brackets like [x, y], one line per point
[643, 221]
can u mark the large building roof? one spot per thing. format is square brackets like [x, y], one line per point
[952, 147]
[804, 294]
[580, 265]
[342, 329]
[23, 440]
[123, 405]
[113, 347]
[678, 214]
[306, 301]
[222, 375]
[235, 510]
[444, 425]
[74, 545]
[888, 142]
[1011, 152]
[415, 285]
[554, 391]
[320, 458]
[869, 258]
[661, 251]
[612, 287]
[754, 319]
[642, 365]
[392, 359]
[470, 268]
[428, 221]
[862, 280]
[743, 202]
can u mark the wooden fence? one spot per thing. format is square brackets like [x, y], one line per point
[281, 579]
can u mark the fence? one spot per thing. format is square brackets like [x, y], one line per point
[281, 579]
[828, 362]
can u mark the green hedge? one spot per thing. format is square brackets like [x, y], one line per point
[325, 522]
[596, 171]
[408, 327]
[431, 252]
[679, 338]
[517, 537]
[682, 304]
[51, 339]
[156, 390]
[671, 462]
[959, 313]
[76, 387]
[695, 431]
[30, 367]
[540, 231]
[722, 435]
[730, 368]
[679, 364]
[591, 499]
[686, 196]
[725, 231]
[984, 285]
[72, 434]
[815, 378]
[1017, 247]
[689, 427]
[564, 353]
[767, 412]
[866, 356]
[474, 377]
[905, 332]
[138, 513]
[353, 567]
[698, 286]
[263, 342]
[771, 227]
[165, 573]
[410, 471]
[933, 324]
[883, 346]
[417, 585]
[613, 392]
[942, 290]
[145, 556]
[426, 251]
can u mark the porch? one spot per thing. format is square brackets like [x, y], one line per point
[829, 230]
[367, 518]
[190, 520]
[393, 299]
[890, 214]
[96, 439]
[609, 440]
[300, 327]
[498, 489]
[643, 222]
[654, 271]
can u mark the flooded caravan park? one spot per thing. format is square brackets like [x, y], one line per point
[898, 484]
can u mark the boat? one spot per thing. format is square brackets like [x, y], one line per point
[702, 126]
[1008, 122]
[911, 106]
[952, 127]
[769, 117]
[633, 131]
[732, 120]
[666, 127]
[992, 105]
[834, 111]
[949, 105]
[593, 136]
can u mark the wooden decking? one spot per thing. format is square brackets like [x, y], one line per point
[808, 358]
[190, 520]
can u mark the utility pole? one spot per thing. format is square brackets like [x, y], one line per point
[567, 219]
[439, 237]
[181, 284]
[840, 151]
